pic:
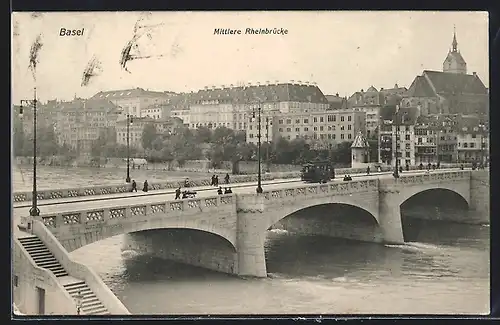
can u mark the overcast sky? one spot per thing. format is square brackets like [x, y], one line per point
[342, 52]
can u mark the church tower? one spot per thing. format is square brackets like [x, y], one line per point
[454, 62]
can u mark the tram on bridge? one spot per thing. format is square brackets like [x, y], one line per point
[317, 172]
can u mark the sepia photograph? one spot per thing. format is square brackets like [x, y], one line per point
[250, 163]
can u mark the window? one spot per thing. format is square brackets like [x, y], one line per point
[472, 144]
[334, 136]
[349, 127]
[280, 121]
[321, 119]
[330, 118]
[314, 120]
[408, 161]
[251, 135]
[315, 128]
[407, 129]
[297, 129]
[349, 118]
[288, 130]
[473, 136]
[407, 155]
[306, 129]
[407, 147]
[465, 144]
[349, 136]
[442, 138]
[341, 119]
[297, 121]
[341, 128]
[342, 136]
[407, 137]
[419, 140]
[307, 120]
[280, 130]
[288, 121]
[321, 128]
[250, 127]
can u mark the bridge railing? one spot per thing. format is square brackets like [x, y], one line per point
[195, 182]
[318, 190]
[431, 177]
[94, 217]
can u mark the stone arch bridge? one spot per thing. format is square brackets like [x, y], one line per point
[230, 229]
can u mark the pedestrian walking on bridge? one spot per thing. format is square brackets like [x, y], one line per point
[178, 193]
[145, 188]
[226, 179]
[134, 186]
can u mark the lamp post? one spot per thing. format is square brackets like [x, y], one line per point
[268, 144]
[259, 176]
[129, 122]
[34, 211]
[78, 301]
[396, 168]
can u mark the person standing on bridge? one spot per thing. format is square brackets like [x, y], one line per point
[216, 180]
[226, 179]
[178, 193]
[145, 188]
[212, 182]
[368, 170]
[134, 186]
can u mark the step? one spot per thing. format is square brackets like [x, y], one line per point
[95, 310]
[74, 284]
[29, 239]
[50, 265]
[60, 273]
[45, 252]
[91, 305]
[44, 259]
[33, 244]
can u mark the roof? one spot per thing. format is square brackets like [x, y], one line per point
[470, 124]
[371, 89]
[336, 102]
[360, 141]
[286, 92]
[395, 90]
[387, 112]
[366, 98]
[420, 87]
[89, 104]
[455, 56]
[406, 116]
[128, 93]
[455, 83]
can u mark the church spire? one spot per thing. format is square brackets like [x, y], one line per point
[454, 43]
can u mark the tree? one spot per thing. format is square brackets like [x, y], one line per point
[148, 135]
[203, 135]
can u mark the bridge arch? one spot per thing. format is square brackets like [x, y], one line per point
[276, 214]
[76, 241]
[462, 189]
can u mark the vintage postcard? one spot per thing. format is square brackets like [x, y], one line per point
[254, 162]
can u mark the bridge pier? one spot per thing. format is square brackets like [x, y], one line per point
[390, 219]
[480, 196]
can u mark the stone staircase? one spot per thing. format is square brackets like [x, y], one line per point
[42, 256]
[91, 305]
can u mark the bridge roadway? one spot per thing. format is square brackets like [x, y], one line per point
[111, 200]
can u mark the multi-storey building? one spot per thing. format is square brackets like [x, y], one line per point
[452, 91]
[179, 107]
[426, 135]
[230, 106]
[397, 137]
[133, 101]
[320, 128]
[472, 139]
[157, 111]
[81, 121]
[336, 102]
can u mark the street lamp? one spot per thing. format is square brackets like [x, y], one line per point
[396, 169]
[267, 146]
[79, 302]
[34, 211]
[130, 121]
[259, 176]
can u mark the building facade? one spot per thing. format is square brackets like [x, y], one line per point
[321, 128]
[80, 122]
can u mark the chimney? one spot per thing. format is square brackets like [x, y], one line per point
[231, 85]
[206, 87]
[213, 87]
[299, 82]
[249, 83]
[382, 88]
[474, 74]
[292, 81]
[337, 95]
[361, 90]
[258, 83]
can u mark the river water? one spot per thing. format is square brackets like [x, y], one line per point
[443, 268]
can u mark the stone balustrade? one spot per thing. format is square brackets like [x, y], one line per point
[96, 217]
[322, 190]
[122, 188]
[429, 178]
